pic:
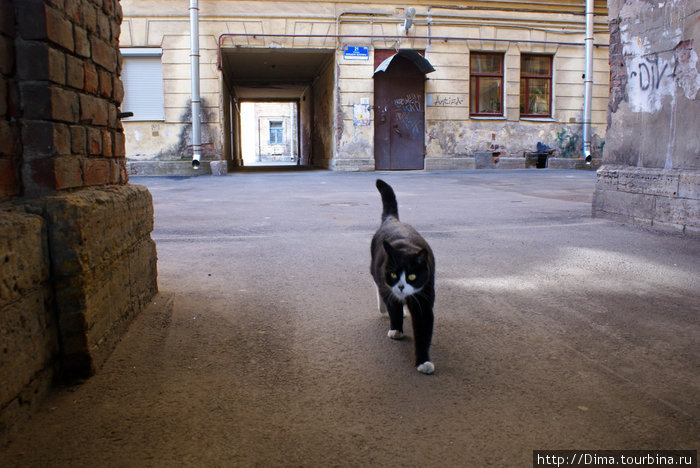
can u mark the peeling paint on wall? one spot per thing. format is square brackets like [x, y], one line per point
[463, 139]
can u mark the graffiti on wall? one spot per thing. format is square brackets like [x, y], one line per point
[655, 76]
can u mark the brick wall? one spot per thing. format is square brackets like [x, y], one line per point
[67, 68]
[78, 262]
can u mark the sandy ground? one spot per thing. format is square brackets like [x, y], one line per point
[265, 347]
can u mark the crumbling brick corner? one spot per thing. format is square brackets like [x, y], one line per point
[77, 259]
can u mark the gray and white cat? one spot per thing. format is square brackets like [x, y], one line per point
[403, 268]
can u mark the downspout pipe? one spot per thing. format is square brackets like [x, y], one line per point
[588, 83]
[194, 79]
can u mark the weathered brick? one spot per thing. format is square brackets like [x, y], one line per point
[59, 29]
[105, 79]
[91, 79]
[3, 97]
[45, 175]
[113, 121]
[10, 143]
[31, 19]
[42, 138]
[82, 43]
[106, 143]
[36, 100]
[40, 62]
[96, 171]
[118, 90]
[93, 110]
[64, 105]
[89, 16]
[68, 173]
[9, 178]
[94, 142]
[78, 136]
[75, 72]
[7, 55]
[103, 27]
[119, 147]
[103, 54]
[116, 31]
[7, 18]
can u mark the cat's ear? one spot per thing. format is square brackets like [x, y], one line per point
[422, 257]
[389, 249]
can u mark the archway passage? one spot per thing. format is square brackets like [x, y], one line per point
[301, 78]
[399, 102]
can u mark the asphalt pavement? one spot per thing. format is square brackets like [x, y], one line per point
[553, 330]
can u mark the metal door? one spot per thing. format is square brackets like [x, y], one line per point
[399, 116]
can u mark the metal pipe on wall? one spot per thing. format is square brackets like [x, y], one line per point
[588, 83]
[194, 78]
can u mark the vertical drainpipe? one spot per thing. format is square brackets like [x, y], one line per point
[194, 78]
[588, 83]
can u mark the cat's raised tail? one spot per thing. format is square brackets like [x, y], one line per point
[389, 205]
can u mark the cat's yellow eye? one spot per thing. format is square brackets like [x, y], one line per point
[393, 275]
[411, 277]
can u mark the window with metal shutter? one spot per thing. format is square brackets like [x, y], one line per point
[142, 77]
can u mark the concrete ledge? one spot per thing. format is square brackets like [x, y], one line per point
[353, 165]
[449, 164]
[167, 168]
[666, 200]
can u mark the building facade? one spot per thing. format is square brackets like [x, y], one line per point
[388, 85]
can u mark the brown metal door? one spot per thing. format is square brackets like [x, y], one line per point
[399, 124]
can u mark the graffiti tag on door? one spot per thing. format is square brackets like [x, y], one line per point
[409, 103]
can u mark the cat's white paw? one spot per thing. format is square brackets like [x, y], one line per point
[405, 311]
[426, 368]
[395, 334]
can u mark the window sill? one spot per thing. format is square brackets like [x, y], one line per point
[538, 119]
[486, 117]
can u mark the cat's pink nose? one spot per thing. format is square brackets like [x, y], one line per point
[401, 287]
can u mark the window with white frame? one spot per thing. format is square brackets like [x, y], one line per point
[276, 132]
[142, 76]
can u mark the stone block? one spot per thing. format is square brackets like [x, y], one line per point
[28, 330]
[219, 168]
[677, 211]
[23, 255]
[449, 164]
[648, 181]
[689, 184]
[97, 237]
[636, 207]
